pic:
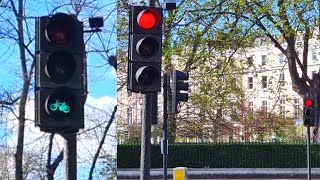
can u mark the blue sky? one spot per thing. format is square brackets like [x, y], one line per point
[101, 76]
[102, 80]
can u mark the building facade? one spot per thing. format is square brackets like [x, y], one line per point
[266, 82]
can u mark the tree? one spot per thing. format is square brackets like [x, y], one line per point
[283, 22]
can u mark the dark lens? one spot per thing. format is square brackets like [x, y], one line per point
[147, 47]
[60, 29]
[60, 66]
[146, 75]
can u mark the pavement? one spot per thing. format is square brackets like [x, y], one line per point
[228, 173]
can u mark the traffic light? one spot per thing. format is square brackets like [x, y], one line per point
[178, 84]
[60, 74]
[145, 49]
[308, 112]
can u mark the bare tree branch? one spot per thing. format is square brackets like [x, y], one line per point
[101, 143]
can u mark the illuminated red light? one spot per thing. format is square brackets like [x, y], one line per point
[147, 19]
[308, 102]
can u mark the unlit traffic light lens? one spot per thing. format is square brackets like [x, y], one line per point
[147, 19]
[147, 47]
[146, 75]
[308, 112]
[60, 29]
[60, 66]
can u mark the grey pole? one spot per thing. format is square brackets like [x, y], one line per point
[308, 153]
[165, 119]
[146, 138]
[151, 3]
[70, 154]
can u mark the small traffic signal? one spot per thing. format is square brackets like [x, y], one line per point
[178, 84]
[145, 49]
[308, 112]
[60, 77]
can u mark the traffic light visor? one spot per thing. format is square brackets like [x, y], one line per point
[60, 29]
[147, 19]
[60, 66]
[308, 102]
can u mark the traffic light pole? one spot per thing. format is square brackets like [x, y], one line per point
[308, 153]
[145, 163]
[70, 154]
[165, 119]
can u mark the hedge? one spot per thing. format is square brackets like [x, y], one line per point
[224, 155]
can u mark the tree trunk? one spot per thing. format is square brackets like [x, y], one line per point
[24, 93]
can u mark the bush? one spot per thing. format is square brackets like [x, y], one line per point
[224, 155]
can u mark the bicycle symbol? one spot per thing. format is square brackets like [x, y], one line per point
[61, 106]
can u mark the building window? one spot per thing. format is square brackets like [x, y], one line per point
[280, 58]
[251, 106]
[282, 107]
[250, 61]
[282, 110]
[264, 81]
[282, 101]
[129, 115]
[250, 82]
[314, 55]
[261, 41]
[264, 108]
[264, 105]
[282, 79]
[296, 107]
[263, 60]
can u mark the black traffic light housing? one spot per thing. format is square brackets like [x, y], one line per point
[179, 84]
[308, 112]
[145, 49]
[60, 74]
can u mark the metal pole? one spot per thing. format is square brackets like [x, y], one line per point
[146, 138]
[70, 154]
[165, 119]
[308, 153]
[151, 3]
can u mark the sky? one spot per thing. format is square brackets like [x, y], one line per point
[102, 80]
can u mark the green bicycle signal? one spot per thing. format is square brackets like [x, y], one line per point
[61, 106]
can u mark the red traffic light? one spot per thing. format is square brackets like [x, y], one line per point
[148, 19]
[308, 102]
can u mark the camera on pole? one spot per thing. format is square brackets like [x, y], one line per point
[145, 49]
[60, 74]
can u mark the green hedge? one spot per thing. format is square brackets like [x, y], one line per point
[224, 155]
